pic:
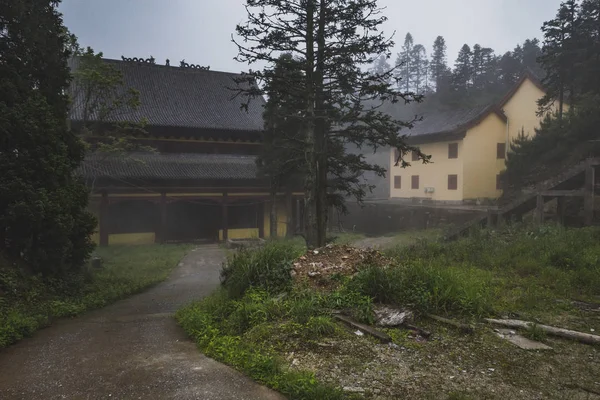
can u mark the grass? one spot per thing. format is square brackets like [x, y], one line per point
[261, 316]
[530, 271]
[28, 303]
[248, 332]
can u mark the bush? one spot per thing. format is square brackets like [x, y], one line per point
[268, 267]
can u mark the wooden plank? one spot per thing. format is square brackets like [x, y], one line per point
[463, 327]
[563, 193]
[588, 199]
[564, 333]
[382, 336]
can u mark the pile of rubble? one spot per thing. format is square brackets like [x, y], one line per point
[320, 267]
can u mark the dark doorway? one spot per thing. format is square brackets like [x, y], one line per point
[133, 216]
[193, 220]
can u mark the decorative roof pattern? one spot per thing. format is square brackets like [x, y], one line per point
[179, 97]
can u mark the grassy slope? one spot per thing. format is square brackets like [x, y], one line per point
[28, 303]
[531, 273]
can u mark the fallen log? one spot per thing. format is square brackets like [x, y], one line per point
[463, 327]
[382, 336]
[420, 331]
[560, 332]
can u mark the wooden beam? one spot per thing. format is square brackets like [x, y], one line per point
[563, 193]
[588, 199]
[539, 210]
[103, 219]
[224, 217]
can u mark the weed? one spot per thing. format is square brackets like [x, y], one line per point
[268, 267]
[320, 326]
[535, 333]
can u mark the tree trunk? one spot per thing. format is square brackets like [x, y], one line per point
[311, 226]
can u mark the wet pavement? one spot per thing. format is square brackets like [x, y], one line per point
[132, 349]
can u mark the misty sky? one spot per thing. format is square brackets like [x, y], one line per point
[199, 31]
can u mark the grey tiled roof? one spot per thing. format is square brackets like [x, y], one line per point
[448, 121]
[169, 166]
[180, 97]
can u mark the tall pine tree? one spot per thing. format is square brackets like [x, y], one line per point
[418, 68]
[462, 77]
[333, 87]
[439, 65]
[404, 63]
[558, 55]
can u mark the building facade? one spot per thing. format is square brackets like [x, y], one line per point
[201, 181]
[467, 148]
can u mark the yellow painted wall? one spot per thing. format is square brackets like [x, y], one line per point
[282, 220]
[245, 233]
[131, 238]
[521, 110]
[434, 174]
[480, 163]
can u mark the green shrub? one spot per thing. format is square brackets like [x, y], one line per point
[259, 362]
[268, 267]
[383, 285]
[320, 326]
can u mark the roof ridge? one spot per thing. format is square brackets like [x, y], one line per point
[176, 67]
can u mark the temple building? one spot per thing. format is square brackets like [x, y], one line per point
[201, 182]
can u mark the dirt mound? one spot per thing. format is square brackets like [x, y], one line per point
[320, 267]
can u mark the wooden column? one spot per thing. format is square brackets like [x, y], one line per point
[224, 221]
[561, 209]
[588, 199]
[163, 218]
[261, 219]
[539, 210]
[103, 219]
[289, 214]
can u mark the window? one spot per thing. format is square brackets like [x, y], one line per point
[498, 182]
[415, 156]
[501, 151]
[396, 154]
[452, 182]
[397, 182]
[414, 182]
[453, 150]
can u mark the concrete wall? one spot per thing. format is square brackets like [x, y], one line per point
[435, 174]
[380, 219]
[481, 166]
[521, 110]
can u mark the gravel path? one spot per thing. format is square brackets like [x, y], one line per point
[132, 349]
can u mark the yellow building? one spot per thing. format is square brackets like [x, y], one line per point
[467, 148]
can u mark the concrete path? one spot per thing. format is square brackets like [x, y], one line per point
[132, 349]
